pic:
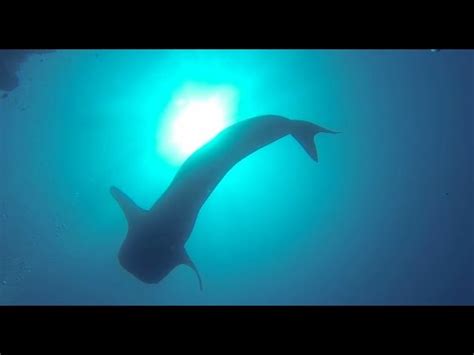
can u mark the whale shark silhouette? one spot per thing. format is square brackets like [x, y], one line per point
[155, 241]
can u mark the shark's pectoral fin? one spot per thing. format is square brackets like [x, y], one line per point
[187, 261]
[130, 209]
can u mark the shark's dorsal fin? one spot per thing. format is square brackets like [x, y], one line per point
[130, 209]
[187, 261]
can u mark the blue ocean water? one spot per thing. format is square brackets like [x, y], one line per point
[385, 217]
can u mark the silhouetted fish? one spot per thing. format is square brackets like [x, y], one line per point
[155, 241]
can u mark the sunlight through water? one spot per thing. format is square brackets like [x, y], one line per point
[196, 114]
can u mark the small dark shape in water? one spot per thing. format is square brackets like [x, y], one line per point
[5, 95]
[155, 240]
[10, 61]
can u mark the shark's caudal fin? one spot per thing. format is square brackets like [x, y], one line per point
[304, 133]
[130, 209]
[187, 261]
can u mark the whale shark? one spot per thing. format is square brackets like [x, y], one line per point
[155, 241]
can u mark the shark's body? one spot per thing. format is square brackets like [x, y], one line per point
[155, 241]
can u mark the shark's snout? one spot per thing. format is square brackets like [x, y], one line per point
[149, 263]
[146, 271]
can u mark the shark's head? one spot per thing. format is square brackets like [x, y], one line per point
[148, 251]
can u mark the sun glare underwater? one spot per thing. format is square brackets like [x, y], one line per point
[384, 217]
[195, 116]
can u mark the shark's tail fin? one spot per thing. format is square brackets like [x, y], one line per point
[304, 133]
